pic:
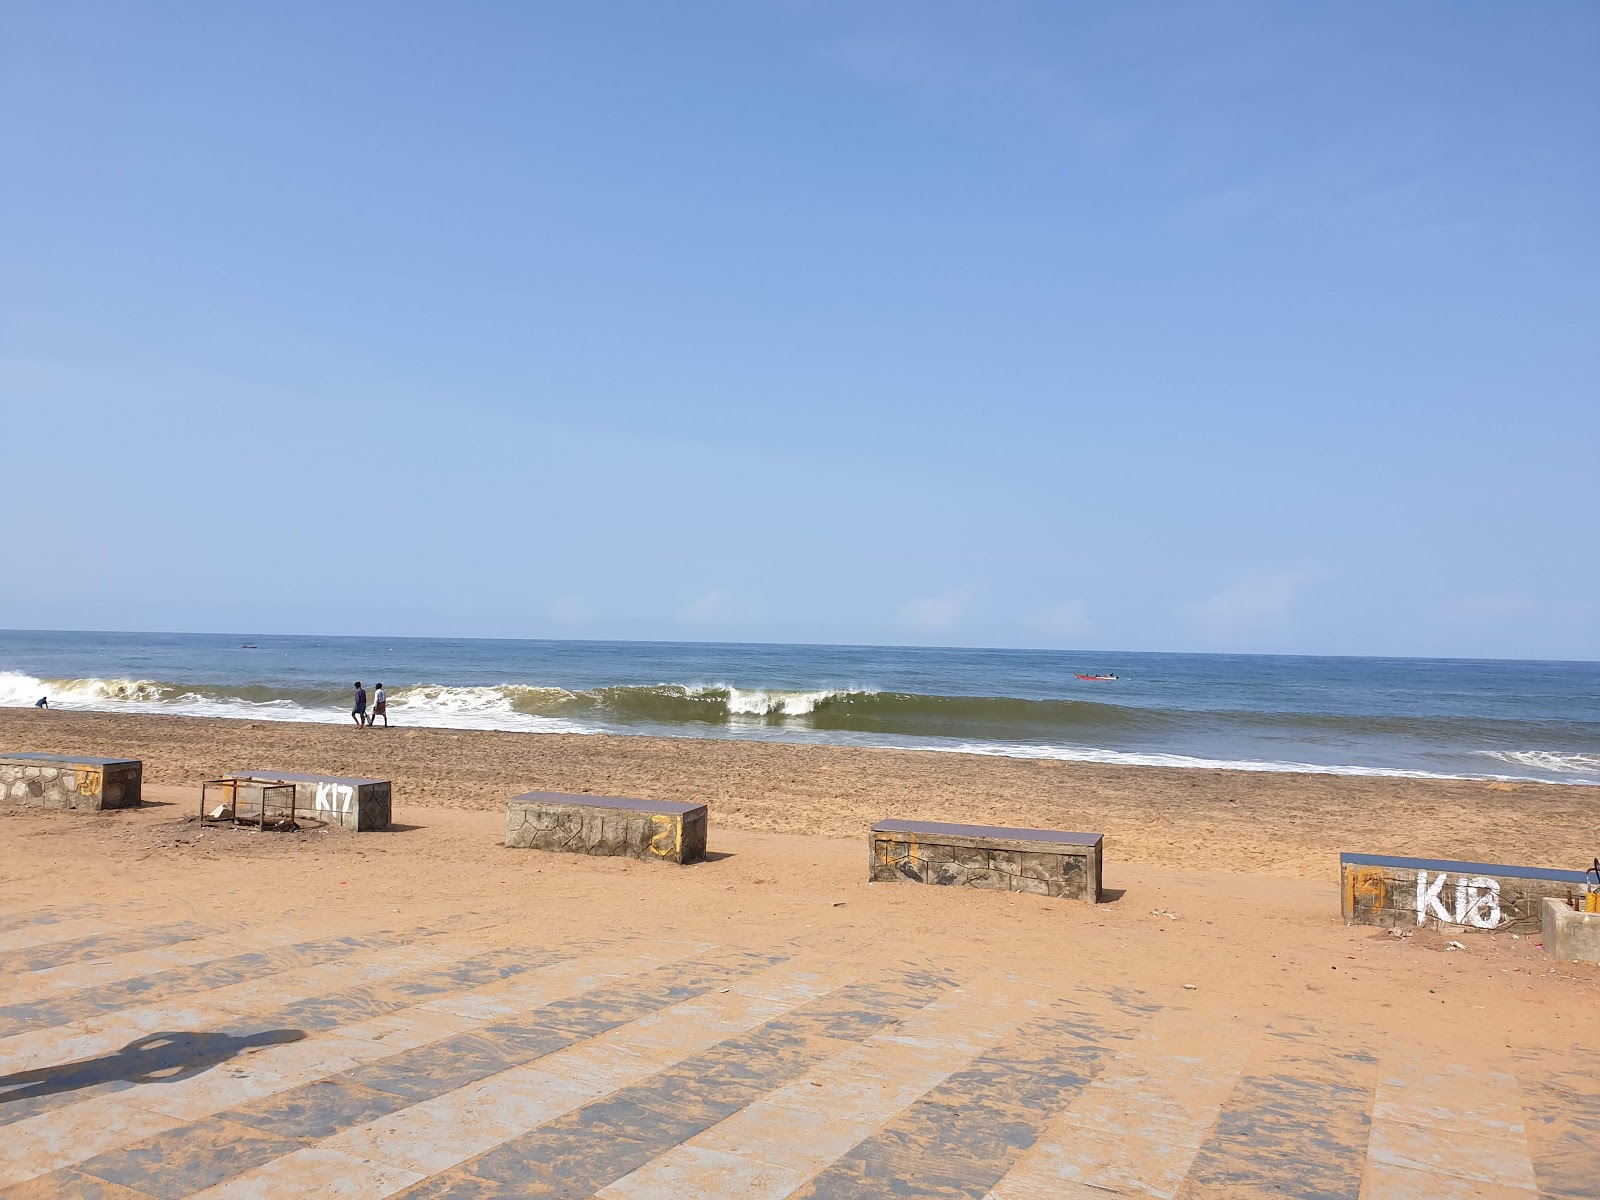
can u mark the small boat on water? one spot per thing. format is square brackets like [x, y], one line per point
[1106, 678]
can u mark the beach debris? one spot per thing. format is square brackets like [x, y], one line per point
[836, 904]
[1189, 987]
[1402, 934]
[1162, 912]
[1455, 946]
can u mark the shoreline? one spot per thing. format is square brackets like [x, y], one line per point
[1245, 821]
[997, 748]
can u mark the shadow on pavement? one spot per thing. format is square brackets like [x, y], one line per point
[154, 1058]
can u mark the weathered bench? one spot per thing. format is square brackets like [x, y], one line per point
[70, 780]
[357, 804]
[607, 825]
[1047, 862]
[1383, 890]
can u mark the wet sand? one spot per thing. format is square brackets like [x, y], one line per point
[1232, 821]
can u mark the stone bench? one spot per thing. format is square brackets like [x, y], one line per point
[361, 805]
[1410, 892]
[607, 825]
[1047, 862]
[70, 780]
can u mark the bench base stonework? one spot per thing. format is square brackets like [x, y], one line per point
[360, 805]
[1408, 893]
[1046, 862]
[607, 825]
[70, 780]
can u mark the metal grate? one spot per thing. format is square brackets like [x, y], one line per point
[262, 804]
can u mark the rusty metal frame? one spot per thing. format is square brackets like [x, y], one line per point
[280, 817]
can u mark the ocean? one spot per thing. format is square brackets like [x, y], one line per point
[1364, 716]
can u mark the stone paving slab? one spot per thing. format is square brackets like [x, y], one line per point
[434, 1063]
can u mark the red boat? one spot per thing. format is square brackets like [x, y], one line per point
[1097, 678]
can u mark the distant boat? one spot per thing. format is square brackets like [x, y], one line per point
[1097, 678]
[248, 646]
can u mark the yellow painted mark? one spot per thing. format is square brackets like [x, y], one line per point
[1591, 903]
[667, 840]
[1362, 884]
[89, 779]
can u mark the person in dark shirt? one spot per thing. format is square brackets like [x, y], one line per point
[358, 714]
[42, 702]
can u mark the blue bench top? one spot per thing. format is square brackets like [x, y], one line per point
[291, 777]
[1467, 868]
[671, 807]
[36, 756]
[1057, 837]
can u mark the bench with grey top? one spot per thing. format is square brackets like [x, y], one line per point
[70, 780]
[357, 804]
[1381, 889]
[1048, 862]
[607, 825]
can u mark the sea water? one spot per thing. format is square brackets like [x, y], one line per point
[1371, 716]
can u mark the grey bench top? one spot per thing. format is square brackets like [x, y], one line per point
[291, 777]
[35, 756]
[670, 807]
[1467, 868]
[998, 833]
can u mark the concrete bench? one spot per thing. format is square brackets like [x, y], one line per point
[70, 780]
[1442, 894]
[607, 825]
[356, 804]
[1571, 934]
[1047, 862]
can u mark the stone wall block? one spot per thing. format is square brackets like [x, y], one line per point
[1007, 862]
[1043, 866]
[1039, 862]
[607, 826]
[69, 781]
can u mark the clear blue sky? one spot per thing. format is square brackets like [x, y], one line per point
[1197, 326]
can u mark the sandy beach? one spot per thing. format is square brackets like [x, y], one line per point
[1219, 931]
[1254, 822]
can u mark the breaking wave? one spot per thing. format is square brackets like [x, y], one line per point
[1018, 727]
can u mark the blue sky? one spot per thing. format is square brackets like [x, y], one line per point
[1261, 327]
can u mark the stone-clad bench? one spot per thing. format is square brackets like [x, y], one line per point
[357, 804]
[70, 780]
[1045, 861]
[1409, 892]
[607, 825]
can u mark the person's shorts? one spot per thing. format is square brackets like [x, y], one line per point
[358, 712]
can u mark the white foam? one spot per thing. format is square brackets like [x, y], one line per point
[1130, 759]
[18, 690]
[1548, 760]
[762, 702]
[434, 708]
[476, 708]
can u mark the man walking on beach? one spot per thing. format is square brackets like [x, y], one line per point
[358, 714]
[380, 707]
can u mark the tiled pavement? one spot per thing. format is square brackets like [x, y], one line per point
[173, 1059]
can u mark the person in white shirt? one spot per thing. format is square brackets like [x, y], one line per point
[380, 707]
